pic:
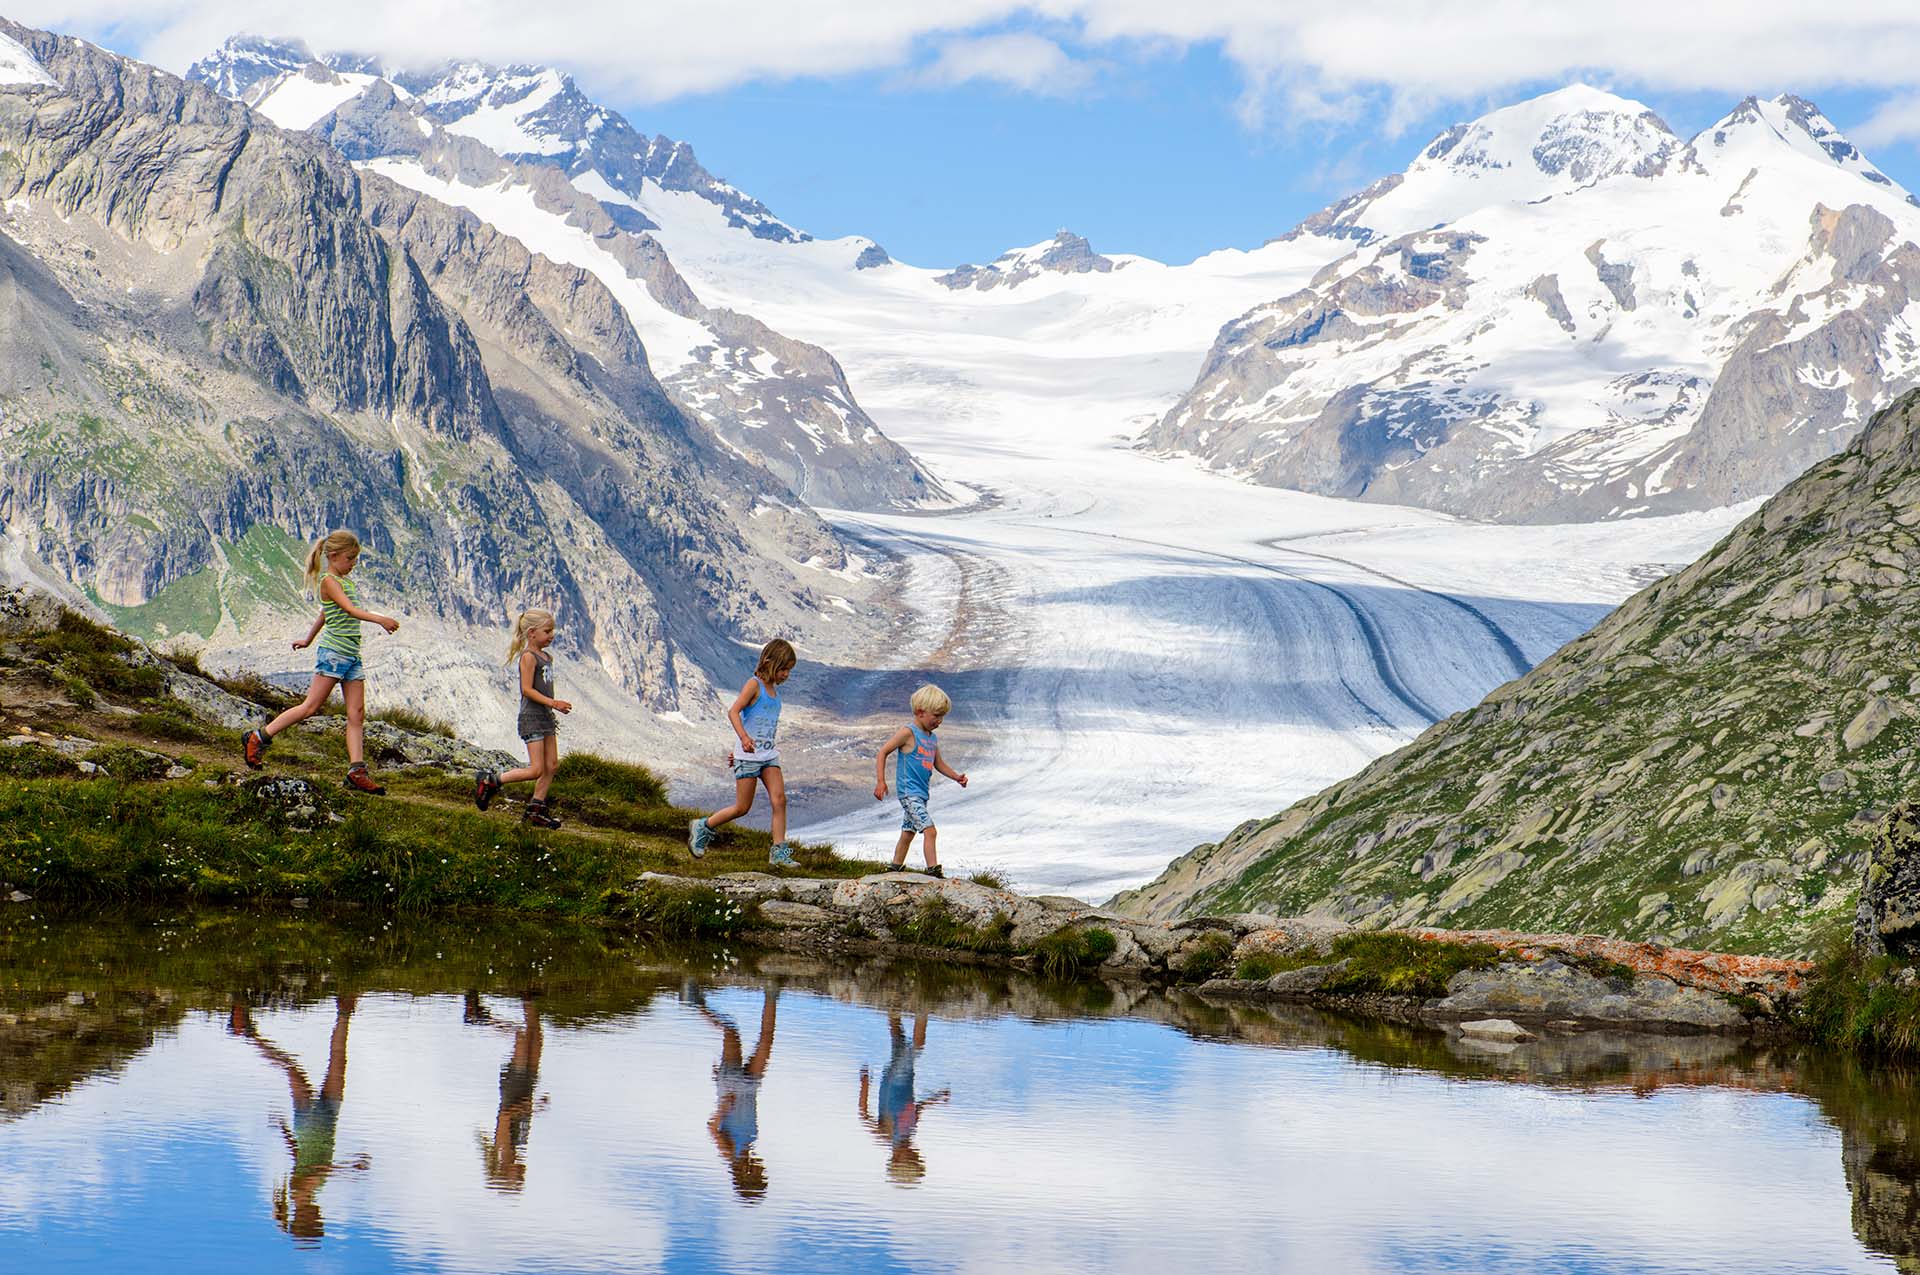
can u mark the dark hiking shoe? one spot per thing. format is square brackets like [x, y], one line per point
[935, 871]
[253, 748]
[486, 786]
[536, 814]
[360, 781]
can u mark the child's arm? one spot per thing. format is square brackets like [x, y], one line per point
[330, 590]
[748, 693]
[318, 622]
[940, 764]
[529, 665]
[898, 741]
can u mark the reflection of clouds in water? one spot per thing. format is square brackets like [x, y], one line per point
[1113, 1144]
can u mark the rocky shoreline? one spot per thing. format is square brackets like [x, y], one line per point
[1508, 985]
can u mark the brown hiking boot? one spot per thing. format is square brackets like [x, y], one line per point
[536, 814]
[360, 781]
[486, 786]
[253, 748]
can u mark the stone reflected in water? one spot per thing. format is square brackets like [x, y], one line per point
[228, 1092]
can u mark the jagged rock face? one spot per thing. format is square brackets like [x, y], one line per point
[222, 340]
[1563, 312]
[1705, 766]
[1065, 253]
[1888, 918]
[464, 130]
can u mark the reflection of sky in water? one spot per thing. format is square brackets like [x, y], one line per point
[1111, 1145]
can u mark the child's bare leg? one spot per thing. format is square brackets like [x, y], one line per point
[317, 692]
[742, 802]
[901, 846]
[548, 763]
[355, 694]
[520, 774]
[776, 797]
[933, 860]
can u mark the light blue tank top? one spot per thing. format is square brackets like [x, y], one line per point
[913, 764]
[762, 717]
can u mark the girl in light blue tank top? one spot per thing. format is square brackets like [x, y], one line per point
[755, 717]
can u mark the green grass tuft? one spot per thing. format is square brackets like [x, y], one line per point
[1380, 963]
[168, 722]
[1868, 1005]
[1067, 953]
[1211, 955]
[134, 765]
[34, 761]
[934, 924]
[682, 912]
[414, 720]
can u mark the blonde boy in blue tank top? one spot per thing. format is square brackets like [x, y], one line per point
[918, 753]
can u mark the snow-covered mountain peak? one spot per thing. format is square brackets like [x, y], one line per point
[1065, 253]
[245, 61]
[1577, 134]
[1755, 127]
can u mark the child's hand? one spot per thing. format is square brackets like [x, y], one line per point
[962, 781]
[563, 706]
[301, 645]
[746, 745]
[880, 791]
[390, 624]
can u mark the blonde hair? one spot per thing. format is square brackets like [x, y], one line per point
[776, 657]
[324, 548]
[931, 699]
[530, 619]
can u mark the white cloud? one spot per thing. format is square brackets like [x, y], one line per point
[1896, 120]
[1020, 60]
[1301, 59]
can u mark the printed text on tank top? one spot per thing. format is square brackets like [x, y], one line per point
[762, 721]
[913, 769]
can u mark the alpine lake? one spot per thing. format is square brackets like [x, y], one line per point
[216, 1092]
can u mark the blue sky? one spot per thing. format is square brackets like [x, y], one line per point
[1155, 161]
[950, 130]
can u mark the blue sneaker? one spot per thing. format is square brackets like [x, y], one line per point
[781, 856]
[698, 834]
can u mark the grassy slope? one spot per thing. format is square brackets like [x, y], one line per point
[210, 836]
[1704, 767]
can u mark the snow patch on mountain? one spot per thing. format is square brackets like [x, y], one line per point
[18, 66]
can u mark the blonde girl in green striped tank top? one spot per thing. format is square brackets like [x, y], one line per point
[337, 657]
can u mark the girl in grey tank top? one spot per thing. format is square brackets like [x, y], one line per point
[538, 722]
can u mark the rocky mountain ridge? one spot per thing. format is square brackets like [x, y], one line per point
[477, 136]
[221, 340]
[1564, 311]
[1705, 766]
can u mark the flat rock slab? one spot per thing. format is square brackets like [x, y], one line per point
[1551, 989]
[1498, 1029]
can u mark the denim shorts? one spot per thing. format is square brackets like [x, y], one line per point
[752, 769]
[913, 813]
[341, 668]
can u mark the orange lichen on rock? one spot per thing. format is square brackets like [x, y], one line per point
[1713, 971]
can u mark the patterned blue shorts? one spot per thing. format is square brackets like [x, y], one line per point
[913, 813]
[341, 668]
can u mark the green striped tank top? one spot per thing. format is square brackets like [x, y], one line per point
[338, 630]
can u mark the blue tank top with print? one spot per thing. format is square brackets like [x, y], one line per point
[913, 765]
[762, 717]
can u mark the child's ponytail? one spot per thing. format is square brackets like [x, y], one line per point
[529, 621]
[324, 548]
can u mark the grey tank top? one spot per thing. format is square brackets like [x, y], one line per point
[542, 681]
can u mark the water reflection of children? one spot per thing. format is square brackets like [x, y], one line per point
[518, 1077]
[897, 1116]
[736, 1113]
[316, 1118]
